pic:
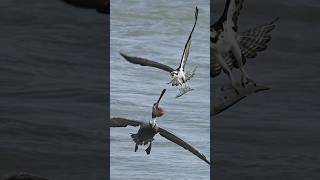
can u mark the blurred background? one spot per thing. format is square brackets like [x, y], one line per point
[274, 134]
[53, 94]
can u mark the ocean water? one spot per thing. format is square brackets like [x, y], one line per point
[274, 134]
[158, 30]
[53, 90]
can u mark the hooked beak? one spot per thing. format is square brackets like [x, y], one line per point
[162, 93]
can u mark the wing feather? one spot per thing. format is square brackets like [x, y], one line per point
[231, 13]
[187, 46]
[236, 13]
[172, 137]
[122, 122]
[251, 42]
[256, 39]
[146, 62]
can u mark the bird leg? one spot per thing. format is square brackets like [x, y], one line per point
[227, 70]
[136, 148]
[148, 150]
[175, 81]
[245, 79]
[244, 76]
[171, 81]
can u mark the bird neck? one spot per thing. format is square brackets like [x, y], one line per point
[153, 115]
[153, 122]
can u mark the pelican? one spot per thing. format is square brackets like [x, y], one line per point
[230, 49]
[149, 129]
[179, 76]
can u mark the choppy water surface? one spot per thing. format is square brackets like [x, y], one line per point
[158, 30]
[274, 134]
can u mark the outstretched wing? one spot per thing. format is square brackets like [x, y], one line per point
[230, 14]
[251, 42]
[146, 62]
[256, 39]
[122, 122]
[186, 50]
[172, 137]
[235, 13]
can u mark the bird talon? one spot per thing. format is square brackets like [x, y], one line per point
[148, 150]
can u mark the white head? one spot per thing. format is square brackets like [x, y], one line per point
[174, 73]
[153, 122]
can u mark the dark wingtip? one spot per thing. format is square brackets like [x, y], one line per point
[208, 162]
[205, 159]
[197, 11]
[124, 55]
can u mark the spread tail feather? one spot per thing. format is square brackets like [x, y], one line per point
[135, 138]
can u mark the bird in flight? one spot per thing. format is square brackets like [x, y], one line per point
[148, 130]
[179, 75]
[230, 49]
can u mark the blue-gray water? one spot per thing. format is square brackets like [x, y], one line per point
[275, 134]
[53, 90]
[158, 30]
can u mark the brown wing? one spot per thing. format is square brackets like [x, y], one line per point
[172, 137]
[122, 122]
[146, 62]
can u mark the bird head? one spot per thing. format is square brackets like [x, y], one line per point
[157, 111]
[174, 73]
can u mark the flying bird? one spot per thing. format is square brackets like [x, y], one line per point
[179, 76]
[229, 49]
[148, 130]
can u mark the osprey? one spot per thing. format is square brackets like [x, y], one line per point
[179, 76]
[149, 129]
[229, 49]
